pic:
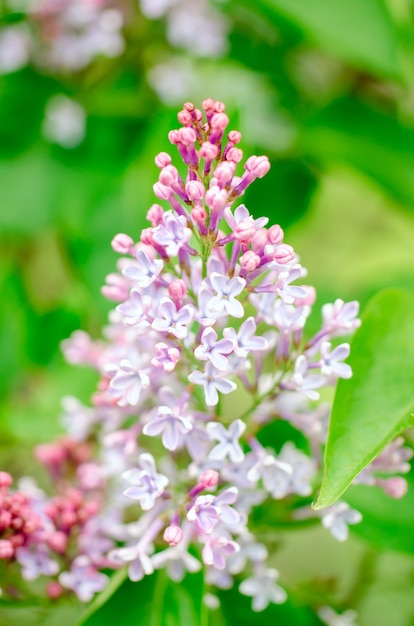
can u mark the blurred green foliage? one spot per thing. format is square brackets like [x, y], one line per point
[326, 89]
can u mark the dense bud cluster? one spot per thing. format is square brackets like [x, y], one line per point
[204, 352]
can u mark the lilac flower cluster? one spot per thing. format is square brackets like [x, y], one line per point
[205, 349]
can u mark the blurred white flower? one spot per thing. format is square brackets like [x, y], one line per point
[14, 48]
[64, 121]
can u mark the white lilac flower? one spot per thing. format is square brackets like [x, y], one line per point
[135, 309]
[129, 381]
[331, 618]
[83, 579]
[36, 560]
[244, 339]
[212, 350]
[171, 320]
[145, 271]
[147, 484]
[228, 441]
[217, 549]
[14, 48]
[172, 234]
[213, 382]
[65, 121]
[172, 426]
[337, 517]
[263, 589]
[331, 360]
[227, 289]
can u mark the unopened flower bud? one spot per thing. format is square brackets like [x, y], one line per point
[208, 150]
[5, 480]
[284, 254]
[123, 244]
[257, 165]
[54, 590]
[162, 159]
[250, 261]
[58, 541]
[209, 478]
[6, 549]
[173, 535]
[275, 234]
[155, 214]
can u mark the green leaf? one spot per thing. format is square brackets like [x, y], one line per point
[236, 610]
[349, 131]
[375, 405]
[387, 523]
[361, 33]
[154, 601]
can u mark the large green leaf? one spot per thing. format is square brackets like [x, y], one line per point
[359, 32]
[349, 131]
[375, 405]
[155, 601]
[387, 523]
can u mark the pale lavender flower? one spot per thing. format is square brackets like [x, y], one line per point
[213, 382]
[35, 560]
[263, 589]
[129, 381]
[228, 515]
[227, 289]
[172, 426]
[331, 618]
[213, 350]
[83, 579]
[341, 316]
[65, 121]
[331, 360]
[166, 357]
[216, 549]
[146, 270]
[140, 564]
[302, 381]
[135, 309]
[228, 441]
[172, 234]
[172, 321]
[337, 518]
[204, 514]
[147, 485]
[244, 339]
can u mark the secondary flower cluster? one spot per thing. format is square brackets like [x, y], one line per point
[204, 356]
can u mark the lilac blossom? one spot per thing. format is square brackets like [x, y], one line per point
[263, 589]
[147, 485]
[83, 579]
[337, 518]
[245, 340]
[36, 560]
[213, 350]
[228, 441]
[172, 426]
[200, 313]
[173, 321]
[213, 381]
[227, 290]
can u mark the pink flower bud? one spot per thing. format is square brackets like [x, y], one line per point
[234, 137]
[275, 234]
[257, 165]
[162, 191]
[208, 150]
[162, 159]
[216, 198]
[184, 117]
[173, 535]
[174, 136]
[194, 190]
[219, 121]
[169, 176]
[54, 590]
[5, 480]
[17, 540]
[284, 254]
[209, 478]
[123, 244]
[208, 105]
[155, 214]
[189, 106]
[395, 487]
[310, 297]
[250, 261]
[5, 519]
[235, 155]
[6, 549]
[58, 541]
[187, 136]
[225, 172]
[177, 289]
[245, 230]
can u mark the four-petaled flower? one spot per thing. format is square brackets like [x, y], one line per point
[213, 382]
[172, 426]
[226, 289]
[147, 485]
[213, 350]
[172, 321]
[228, 441]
